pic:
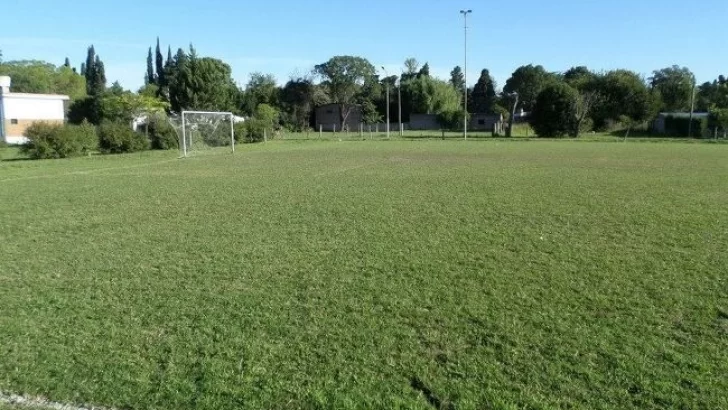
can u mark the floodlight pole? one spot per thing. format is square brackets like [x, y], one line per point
[385, 73]
[399, 103]
[692, 108]
[465, 91]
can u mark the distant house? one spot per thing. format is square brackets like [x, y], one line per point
[662, 124]
[486, 122]
[424, 122]
[328, 118]
[19, 110]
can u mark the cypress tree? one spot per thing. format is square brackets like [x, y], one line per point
[100, 77]
[150, 69]
[89, 69]
[67, 63]
[159, 65]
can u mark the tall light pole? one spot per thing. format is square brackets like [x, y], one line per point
[465, 90]
[399, 102]
[692, 108]
[386, 74]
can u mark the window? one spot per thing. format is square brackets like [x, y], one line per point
[329, 111]
[14, 121]
[481, 122]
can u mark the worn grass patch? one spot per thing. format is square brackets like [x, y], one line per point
[370, 275]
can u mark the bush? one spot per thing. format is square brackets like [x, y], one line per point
[161, 133]
[554, 114]
[451, 120]
[117, 138]
[253, 130]
[46, 140]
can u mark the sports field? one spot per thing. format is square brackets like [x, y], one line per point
[370, 274]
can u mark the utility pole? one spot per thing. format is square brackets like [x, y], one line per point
[386, 79]
[465, 91]
[399, 101]
[692, 108]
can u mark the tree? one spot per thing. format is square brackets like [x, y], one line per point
[411, 68]
[624, 97]
[580, 78]
[424, 71]
[483, 98]
[528, 81]
[554, 114]
[67, 63]
[41, 77]
[720, 117]
[128, 106]
[159, 63]
[261, 89]
[203, 84]
[457, 78]
[298, 98]
[150, 78]
[116, 89]
[343, 77]
[675, 85]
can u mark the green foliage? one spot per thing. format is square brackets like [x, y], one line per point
[483, 97]
[127, 106]
[161, 133]
[47, 140]
[298, 98]
[451, 119]
[720, 117]
[555, 112]
[675, 85]
[85, 109]
[624, 94]
[457, 78]
[118, 138]
[203, 84]
[528, 81]
[150, 78]
[428, 95]
[95, 74]
[39, 77]
[159, 64]
[261, 89]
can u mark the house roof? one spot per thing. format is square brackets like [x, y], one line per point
[683, 114]
[27, 96]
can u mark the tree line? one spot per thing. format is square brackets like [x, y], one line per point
[559, 103]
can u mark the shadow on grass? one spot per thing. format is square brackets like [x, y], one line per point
[431, 398]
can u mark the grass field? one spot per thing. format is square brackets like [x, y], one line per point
[372, 274]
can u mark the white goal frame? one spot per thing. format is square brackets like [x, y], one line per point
[226, 114]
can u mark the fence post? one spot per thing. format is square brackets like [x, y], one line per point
[321, 131]
[334, 128]
[361, 130]
[265, 135]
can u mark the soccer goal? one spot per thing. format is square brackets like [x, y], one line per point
[201, 131]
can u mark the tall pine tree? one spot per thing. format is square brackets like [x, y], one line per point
[67, 63]
[150, 79]
[89, 70]
[99, 83]
[483, 98]
[160, 65]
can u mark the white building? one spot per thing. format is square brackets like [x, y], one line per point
[18, 111]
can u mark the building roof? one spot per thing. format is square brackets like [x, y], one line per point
[27, 96]
[683, 114]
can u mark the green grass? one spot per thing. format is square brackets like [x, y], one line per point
[402, 274]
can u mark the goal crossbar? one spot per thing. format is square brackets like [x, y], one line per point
[227, 115]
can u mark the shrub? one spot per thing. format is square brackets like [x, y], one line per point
[117, 138]
[554, 114]
[46, 140]
[254, 130]
[162, 134]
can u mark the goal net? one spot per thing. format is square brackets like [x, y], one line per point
[201, 131]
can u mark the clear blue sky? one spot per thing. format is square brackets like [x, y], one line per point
[284, 37]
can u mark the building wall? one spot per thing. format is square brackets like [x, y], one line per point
[328, 118]
[424, 122]
[21, 110]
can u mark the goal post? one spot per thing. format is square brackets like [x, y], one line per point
[205, 130]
